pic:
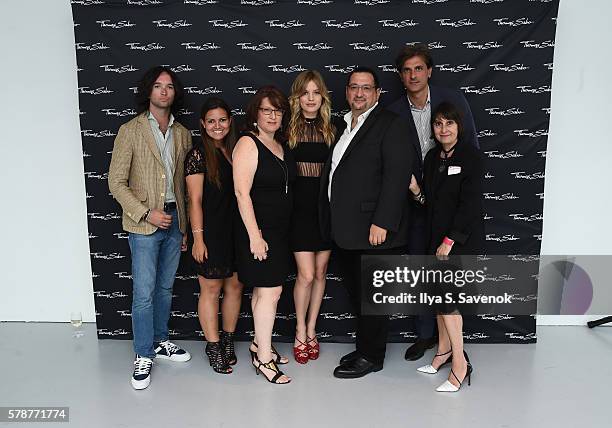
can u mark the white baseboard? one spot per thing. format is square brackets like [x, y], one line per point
[567, 319]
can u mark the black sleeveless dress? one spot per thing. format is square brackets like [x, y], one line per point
[220, 209]
[272, 197]
[310, 155]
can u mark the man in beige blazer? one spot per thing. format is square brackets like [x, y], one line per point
[146, 177]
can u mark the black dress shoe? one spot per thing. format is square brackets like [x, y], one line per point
[356, 368]
[351, 356]
[418, 348]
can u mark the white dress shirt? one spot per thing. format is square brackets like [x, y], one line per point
[344, 142]
[422, 122]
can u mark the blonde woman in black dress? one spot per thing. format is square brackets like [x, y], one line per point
[212, 209]
[263, 176]
[309, 136]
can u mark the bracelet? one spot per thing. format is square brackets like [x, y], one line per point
[197, 230]
[448, 241]
[146, 216]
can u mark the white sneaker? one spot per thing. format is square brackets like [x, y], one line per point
[167, 350]
[142, 372]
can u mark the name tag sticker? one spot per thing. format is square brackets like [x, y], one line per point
[452, 170]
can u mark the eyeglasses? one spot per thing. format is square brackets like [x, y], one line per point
[364, 88]
[268, 111]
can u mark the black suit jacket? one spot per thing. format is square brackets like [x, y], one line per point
[370, 184]
[454, 202]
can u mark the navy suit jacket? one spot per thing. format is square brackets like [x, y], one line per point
[438, 95]
[417, 239]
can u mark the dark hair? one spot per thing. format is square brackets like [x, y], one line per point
[407, 52]
[448, 111]
[206, 145]
[145, 86]
[363, 69]
[278, 100]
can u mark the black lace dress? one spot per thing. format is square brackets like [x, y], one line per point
[310, 155]
[220, 209]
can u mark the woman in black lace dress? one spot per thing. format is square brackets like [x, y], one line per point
[310, 135]
[212, 208]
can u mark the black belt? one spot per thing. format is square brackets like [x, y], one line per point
[169, 206]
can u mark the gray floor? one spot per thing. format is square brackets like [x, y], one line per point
[563, 381]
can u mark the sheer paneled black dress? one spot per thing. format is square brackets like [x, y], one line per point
[310, 155]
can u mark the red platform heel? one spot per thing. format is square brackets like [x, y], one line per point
[301, 352]
[313, 350]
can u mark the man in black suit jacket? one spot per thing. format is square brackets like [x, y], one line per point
[415, 65]
[365, 205]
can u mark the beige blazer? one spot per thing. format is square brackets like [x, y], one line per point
[137, 178]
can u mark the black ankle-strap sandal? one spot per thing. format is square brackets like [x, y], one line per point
[270, 365]
[277, 358]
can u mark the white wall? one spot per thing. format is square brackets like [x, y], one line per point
[577, 200]
[44, 254]
[44, 262]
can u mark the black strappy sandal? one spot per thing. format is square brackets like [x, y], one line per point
[216, 359]
[270, 365]
[277, 358]
[227, 347]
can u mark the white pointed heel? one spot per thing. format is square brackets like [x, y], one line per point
[449, 387]
[429, 369]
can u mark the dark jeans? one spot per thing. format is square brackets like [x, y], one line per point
[425, 326]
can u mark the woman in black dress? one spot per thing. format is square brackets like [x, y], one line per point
[263, 175]
[310, 135]
[452, 194]
[212, 209]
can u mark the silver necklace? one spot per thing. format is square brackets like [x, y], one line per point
[283, 166]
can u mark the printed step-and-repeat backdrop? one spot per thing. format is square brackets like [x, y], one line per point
[499, 53]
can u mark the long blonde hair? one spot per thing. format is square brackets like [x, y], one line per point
[297, 122]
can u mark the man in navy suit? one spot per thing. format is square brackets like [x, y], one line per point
[414, 65]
